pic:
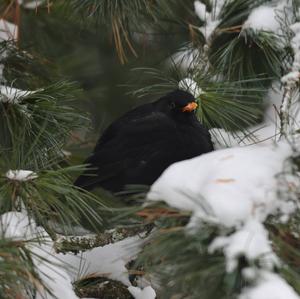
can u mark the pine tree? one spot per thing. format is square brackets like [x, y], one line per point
[238, 57]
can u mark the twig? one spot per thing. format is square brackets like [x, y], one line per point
[291, 84]
[76, 244]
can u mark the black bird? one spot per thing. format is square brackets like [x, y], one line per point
[140, 145]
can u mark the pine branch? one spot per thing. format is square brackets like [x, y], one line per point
[24, 67]
[231, 105]
[17, 266]
[76, 244]
[36, 122]
[247, 54]
[123, 18]
[50, 195]
[291, 85]
[115, 14]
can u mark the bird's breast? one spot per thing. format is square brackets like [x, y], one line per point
[192, 141]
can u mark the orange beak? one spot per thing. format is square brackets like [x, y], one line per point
[190, 107]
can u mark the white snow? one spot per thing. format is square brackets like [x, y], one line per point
[21, 175]
[8, 31]
[59, 270]
[231, 185]
[146, 293]
[186, 58]
[269, 17]
[295, 43]
[209, 28]
[200, 10]
[292, 76]
[210, 18]
[53, 273]
[263, 18]
[250, 241]
[265, 132]
[13, 95]
[34, 4]
[269, 286]
[16, 225]
[191, 86]
[237, 188]
[223, 139]
[51, 270]
[290, 81]
[108, 261]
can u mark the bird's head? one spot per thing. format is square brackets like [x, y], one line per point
[178, 103]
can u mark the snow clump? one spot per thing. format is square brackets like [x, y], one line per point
[230, 186]
[235, 188]
[21, 175]
[17, 226]
[146, 293]
[13, 95]
[190, 86]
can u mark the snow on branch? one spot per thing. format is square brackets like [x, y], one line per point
[56, 282]
[8, 31]
[210, 19]
[235, 245]
[263, 18]
[290, 81]
[247, 173]
[269, 286]
[146, 293]
[82, 243]
[238, 190]
[13, 95]
[190, 86]
[21, 175]
[33, 4]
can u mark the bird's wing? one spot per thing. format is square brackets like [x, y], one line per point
[139, 114]
[127, 144]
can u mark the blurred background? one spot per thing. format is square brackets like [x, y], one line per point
[121, 54]
[85, 52]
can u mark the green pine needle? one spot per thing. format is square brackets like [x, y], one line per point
[52, 198]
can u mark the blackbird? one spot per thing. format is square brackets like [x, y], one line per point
[136, 148]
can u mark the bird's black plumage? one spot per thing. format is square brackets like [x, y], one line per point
[140, 145]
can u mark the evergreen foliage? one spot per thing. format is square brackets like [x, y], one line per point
[36, 123]
[235, 66]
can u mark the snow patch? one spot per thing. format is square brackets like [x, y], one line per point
[13, 95]
[186, 58]
[51, 270]
[146, 293]
[190, 86]
[200, 10]
[223, 139]
[8, 31]
[21, 175]
[251, 241]
[263, 18]
[209, 18]
[16, 225]
[237, 189]
[292, 76]
[290, 81]
[108, 261]
[32, 4]
[231, 185]
[269, 17]
[269, 286]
